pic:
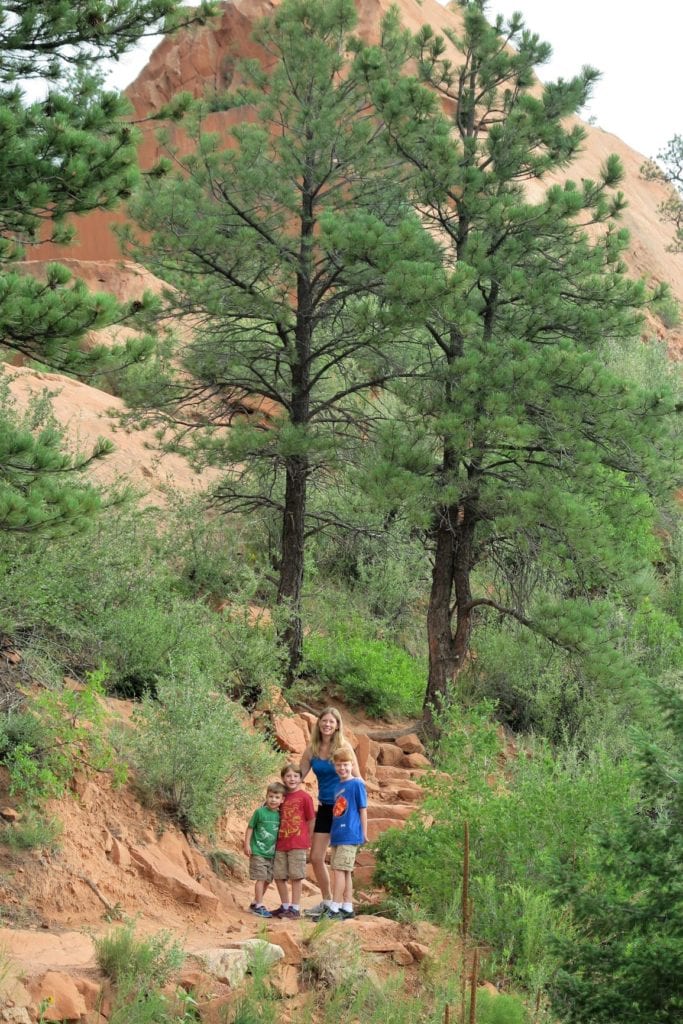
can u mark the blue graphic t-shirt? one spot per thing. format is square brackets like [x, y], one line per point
[349, 798]
[327, 777]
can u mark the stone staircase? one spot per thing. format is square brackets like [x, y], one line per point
[391, 767]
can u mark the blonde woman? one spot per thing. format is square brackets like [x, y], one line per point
[327, 736]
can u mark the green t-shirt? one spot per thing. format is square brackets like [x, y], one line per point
[265, 824]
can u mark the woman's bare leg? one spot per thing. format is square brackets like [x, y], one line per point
[319, 844]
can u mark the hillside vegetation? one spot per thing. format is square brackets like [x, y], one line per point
[442, 462]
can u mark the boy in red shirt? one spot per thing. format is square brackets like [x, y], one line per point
[297, 818]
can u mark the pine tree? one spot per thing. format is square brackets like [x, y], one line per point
[67, 153]
[625, 961]
[527, 445]
[42, 484]
[668, 167]
[298, 265]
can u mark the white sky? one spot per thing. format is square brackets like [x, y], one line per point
[640, 95]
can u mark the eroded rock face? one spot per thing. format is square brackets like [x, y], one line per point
[166, 874]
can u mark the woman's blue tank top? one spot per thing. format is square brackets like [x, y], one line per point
[327, 777]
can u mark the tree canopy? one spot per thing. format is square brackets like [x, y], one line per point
[71, 151]
[299, 265]
[668, 167]
[535, 449]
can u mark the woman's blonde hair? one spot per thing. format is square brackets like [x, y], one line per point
[338, 739]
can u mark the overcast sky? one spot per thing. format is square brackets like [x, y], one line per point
[640, 95]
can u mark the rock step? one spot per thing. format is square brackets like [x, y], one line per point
[385, 773]
[393, 809]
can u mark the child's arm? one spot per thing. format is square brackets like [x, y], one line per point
[363, 811]
[247, 841]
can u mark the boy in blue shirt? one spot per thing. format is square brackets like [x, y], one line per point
[349, 831]
[259, 845]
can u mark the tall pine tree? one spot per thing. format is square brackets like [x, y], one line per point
[65, 154]
[69, 152]
[298, 265]
[530, 448]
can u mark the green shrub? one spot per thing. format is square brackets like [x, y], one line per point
[500, 1009]
[373, 674]
[118, 599]
[32, 832]
[148, 963]
[525, 829]
[193, 754]
[41, 746]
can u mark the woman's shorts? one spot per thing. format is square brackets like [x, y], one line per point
[323, 818]
[260, 868]
[289, 865]
[343, 858]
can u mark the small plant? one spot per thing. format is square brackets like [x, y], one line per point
[32, 832]
[114, 913]
[146, 963]
[225, 862]
[500, 1009]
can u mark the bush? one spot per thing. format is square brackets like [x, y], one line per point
[525, 827]
[376, 675]
[625, 960]
[40, 747]
[149, 963]
[193, 754]
[500, 1009]
[32, 832]
[118, 599]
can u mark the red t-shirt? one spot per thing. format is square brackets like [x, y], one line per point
[296, 811]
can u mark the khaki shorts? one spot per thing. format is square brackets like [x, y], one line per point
[260, 868]
[289, 865]
[343, 858]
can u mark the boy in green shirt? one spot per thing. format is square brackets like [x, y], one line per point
[259, 845]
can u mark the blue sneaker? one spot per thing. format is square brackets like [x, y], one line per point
[329, 915]
[260, 911]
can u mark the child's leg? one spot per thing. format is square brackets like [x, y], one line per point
[280, 873]
[348, 887]
[281, 884]
[297, 884]
[338, 886]
[259, 891]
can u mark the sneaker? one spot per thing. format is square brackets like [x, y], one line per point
[346, 915]
[260, 911]
[329, 915]
[280, 912]
[315, 911]
[292, 915]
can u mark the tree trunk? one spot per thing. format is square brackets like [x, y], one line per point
[292, 563]
[448, 647]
